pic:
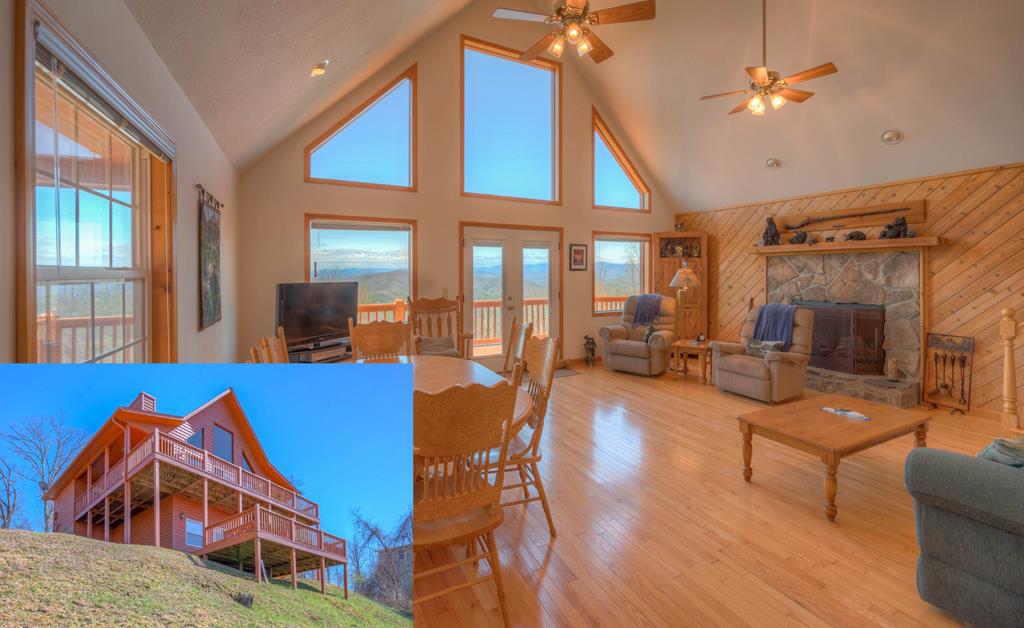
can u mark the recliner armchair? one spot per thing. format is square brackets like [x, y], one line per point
[776, 377]
[623, 347]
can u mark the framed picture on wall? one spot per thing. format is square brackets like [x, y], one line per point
[209, 259]
[577, 257]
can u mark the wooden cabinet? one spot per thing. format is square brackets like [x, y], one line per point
[671, 250]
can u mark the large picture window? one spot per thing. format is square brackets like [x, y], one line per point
[377, 253]
[90, 258]
[511, 117]
[620, 269]
[223, 444]
[617, 184]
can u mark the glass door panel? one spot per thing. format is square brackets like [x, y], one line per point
[488, 294]
[536, 282]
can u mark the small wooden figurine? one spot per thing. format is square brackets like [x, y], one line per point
[590, 349]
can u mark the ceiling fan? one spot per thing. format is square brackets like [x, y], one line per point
[574, 22]
[768, 85]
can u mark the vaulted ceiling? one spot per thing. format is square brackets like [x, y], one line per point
[944, 72]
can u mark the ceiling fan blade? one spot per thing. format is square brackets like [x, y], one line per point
[601, 51]
[575, 4]
[538, 48]
[739, 91]
[759, 74]
[795, 95]
[740, 107]
[821, 70]
[636, 12]
[512, 14]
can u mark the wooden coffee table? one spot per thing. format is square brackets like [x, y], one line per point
[805, 426]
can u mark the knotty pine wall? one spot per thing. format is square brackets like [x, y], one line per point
[977, 272]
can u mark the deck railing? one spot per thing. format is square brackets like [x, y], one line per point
[67, 339]
[202, 460]
[267, 522]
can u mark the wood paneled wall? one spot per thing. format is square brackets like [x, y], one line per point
[978, 271]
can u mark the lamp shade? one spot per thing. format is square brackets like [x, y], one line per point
[685, 278]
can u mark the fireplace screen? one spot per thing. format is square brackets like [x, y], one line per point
[847, 337]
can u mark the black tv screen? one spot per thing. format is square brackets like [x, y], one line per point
[312, 313]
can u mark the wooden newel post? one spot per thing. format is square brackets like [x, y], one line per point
[1008, 332]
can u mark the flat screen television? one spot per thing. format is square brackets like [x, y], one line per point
[316, 313]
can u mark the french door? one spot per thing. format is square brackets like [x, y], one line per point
[509, 273]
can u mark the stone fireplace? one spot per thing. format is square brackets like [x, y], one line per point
[869, 306]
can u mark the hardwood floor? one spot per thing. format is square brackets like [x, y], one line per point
[657, 527]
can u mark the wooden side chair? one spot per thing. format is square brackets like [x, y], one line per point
[517, 336]
[437, 328]
[524, 449]
[458, 435]
[271, 350]
[379, 339]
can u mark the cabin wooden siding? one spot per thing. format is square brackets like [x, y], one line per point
[63, 506]
[192, 509]
[220, 413]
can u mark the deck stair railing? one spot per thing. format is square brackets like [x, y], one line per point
[270, 523]
[199, 459]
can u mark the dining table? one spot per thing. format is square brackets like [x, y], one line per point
[432, 373]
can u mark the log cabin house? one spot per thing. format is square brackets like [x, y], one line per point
[201, 484]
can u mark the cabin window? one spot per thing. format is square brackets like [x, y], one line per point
[375, 145]
[246, 465]
[510, 124]
[196, 439]
[91, 261]
[193, 533]
[617, 184]
[378, 253]
[223, 444]
[620, 269]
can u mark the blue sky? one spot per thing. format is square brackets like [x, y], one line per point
[344, 431]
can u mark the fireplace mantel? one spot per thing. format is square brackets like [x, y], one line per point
[851, 246]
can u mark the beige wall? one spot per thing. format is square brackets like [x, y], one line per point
[276, 198]
[120, 45]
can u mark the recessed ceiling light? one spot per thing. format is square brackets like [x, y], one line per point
[892, 136]
[773, 163]
[319, 69]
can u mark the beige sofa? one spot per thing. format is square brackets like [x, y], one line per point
[623, 347]
[776, 377]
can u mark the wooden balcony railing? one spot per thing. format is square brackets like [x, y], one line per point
[67, 339]
[269, 523]
[609, 304]
[181, 452]
[370, 312]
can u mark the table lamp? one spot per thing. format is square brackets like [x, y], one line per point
[683, 280]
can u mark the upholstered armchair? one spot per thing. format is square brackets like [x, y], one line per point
[623, 347]
[776, 377]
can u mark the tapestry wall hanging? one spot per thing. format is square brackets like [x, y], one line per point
[209, 259]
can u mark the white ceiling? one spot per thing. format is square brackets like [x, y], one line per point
[245, 64]
[946, 72]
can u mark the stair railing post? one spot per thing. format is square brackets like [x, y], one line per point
[1008, 332]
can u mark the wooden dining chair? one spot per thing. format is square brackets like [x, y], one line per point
[437, 328]
[517, 336]
[458, 434]
[271, 350]
[524, 448]
[379, 339]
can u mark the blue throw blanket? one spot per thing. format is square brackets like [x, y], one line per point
[647, 308]
[775, 322]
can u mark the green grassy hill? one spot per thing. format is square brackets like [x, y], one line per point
[61, 580]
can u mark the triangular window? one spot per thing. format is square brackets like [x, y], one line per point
[373, 146]
[617, 184]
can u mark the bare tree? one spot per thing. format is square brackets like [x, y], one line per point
[382, 561]
[8, 495]
[633, 266]
[46, 445]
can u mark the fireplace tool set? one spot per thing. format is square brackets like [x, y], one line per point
[948, 365]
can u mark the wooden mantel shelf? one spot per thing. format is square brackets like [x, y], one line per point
[852, 246]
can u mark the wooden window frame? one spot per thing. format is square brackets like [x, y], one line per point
[601, 128]
[311, 218]
[647, 262]
[185, 540]
[34, 22]
[326, 136]
[512, 54]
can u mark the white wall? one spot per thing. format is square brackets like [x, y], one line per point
[276, 198]
[7, 180]
[120, 45]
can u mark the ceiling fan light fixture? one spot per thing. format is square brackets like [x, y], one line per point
[756, 105]
[584, 47]
[557, 47]
[573, 32]
[777, 101]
